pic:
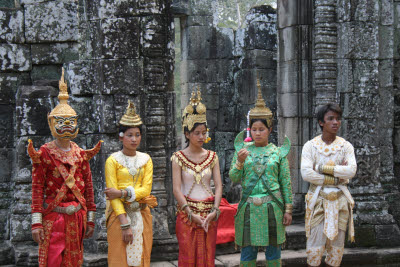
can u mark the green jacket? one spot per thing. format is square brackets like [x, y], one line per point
[277, 177]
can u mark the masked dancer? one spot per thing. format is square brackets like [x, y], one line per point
[266, 206]
[63, 208]
[198, 207]
[129, 178]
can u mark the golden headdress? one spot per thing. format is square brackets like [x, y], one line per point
[261, 111]
[62, 109]
[194, 112]
[130, 118]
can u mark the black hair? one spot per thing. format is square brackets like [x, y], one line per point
[123, 129]
[186, 130]
[322, 110]
[264, 121]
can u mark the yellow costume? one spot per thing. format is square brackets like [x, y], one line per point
[133, 173]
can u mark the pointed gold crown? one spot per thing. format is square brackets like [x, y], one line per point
[261, 111]
[62, 109]
[194, 112]
[130, 118]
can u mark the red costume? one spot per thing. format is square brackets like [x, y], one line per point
[62, 191]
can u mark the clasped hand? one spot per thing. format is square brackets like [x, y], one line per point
[204, 222]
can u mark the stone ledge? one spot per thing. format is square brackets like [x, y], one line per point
[353, 257]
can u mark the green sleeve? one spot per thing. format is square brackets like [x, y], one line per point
[285, 181]
[235, 174]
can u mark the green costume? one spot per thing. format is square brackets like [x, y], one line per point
[259, 219]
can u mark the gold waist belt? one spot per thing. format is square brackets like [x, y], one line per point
[258, 201]
[66, 210]
[134, 206]
[332, 196]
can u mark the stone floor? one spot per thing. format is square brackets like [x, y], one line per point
[354, 257]
[293, 255]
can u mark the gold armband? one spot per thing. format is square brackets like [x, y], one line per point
[239, 165]
[326, 169]
[90, 216]
[329, 180]
[36, 217]
[289, 208]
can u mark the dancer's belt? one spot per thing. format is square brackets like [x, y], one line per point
[66, 210]
[258, 201]
[135, 206]
[332, 196]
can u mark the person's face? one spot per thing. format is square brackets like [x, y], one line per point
[332, 122]
[197, 136]
[131, 139]
[260, 133]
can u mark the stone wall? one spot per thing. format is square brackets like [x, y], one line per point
[345, 51]
[352, 62]
[112, 51]
[224, 64]
[37, 38]
[395, 199]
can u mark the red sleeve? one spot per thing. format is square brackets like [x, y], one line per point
[89, 192]
[38, 178]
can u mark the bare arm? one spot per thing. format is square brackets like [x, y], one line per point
[218, 195]
[177, 185]
[217, 183]
[179, 196]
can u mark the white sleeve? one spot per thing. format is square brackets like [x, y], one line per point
[349, 168]
[307, 166]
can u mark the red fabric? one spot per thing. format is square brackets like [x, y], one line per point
[63, 233]
[47, 179]
[63, 244]
[226, 222]
[196, 247]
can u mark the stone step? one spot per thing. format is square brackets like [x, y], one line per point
[353, 257]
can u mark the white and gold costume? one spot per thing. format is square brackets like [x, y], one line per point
[329, 204]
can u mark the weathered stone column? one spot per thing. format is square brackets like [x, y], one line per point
[295, 92]
[324, 53]
[395, 199]
[365, 54]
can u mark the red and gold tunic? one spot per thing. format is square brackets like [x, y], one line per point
[62, 178]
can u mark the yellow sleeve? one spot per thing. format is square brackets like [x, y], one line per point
[145, 189]
[112, 182]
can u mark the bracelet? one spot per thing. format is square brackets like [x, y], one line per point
[289, 208]
[184, 206]
[129, 194]
[36, 217]
[190, 216]
[91, 215]
[217, 210]
[329, 180]
[125, 226]
[239, 165]
[122, 194]
[327, 169]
